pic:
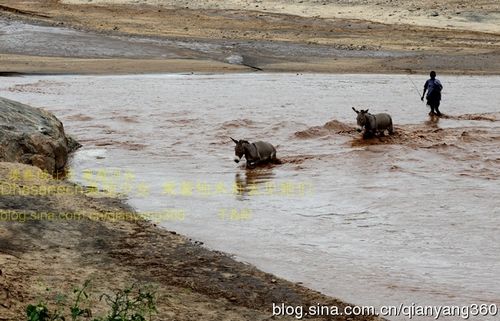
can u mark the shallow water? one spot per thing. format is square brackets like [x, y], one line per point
[21, 38]
[17, 37]
[372, 223]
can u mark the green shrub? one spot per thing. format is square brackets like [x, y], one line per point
[130, 304]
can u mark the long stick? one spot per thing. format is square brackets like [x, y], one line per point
[414, 86]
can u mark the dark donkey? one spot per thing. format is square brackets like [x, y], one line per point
[255, 153]
[373, 124]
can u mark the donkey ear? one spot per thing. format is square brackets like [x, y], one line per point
[367, 110]
[356, 111]
[234, 140]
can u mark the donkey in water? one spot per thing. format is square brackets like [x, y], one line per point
[373, 124]
[255, 153]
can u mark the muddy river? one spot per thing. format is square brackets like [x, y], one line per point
[412, 218]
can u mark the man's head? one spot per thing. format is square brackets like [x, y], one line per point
[433, 74]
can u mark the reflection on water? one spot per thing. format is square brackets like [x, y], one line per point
[253, 181]
[433, 122]
[409, 218]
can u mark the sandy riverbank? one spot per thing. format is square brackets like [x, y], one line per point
[62, 65]
[364, 36]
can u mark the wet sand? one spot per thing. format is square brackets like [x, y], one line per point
[29, 65]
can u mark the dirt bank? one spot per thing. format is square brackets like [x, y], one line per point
[279, 36]
[482, 15]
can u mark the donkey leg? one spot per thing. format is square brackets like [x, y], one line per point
[272, 158]
[254, 163]
[275, 159]
[251, 165]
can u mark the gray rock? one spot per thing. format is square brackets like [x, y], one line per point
[33, 136]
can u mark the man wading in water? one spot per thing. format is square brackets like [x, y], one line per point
[433, 88]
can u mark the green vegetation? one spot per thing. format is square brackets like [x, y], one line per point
[130, 304]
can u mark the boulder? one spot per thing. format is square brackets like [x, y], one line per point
[33, 136]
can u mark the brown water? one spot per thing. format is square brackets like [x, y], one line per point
[409, 218]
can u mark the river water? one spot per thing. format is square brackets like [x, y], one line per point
[410, 219]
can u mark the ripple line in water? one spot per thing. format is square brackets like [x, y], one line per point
[331, 214]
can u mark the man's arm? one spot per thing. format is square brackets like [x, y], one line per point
[440, 85]
[425, 89]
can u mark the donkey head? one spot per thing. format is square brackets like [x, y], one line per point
[361, 119]
[239, 149]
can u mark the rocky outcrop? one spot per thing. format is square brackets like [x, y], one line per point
[33, 136]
